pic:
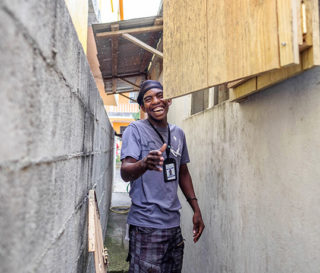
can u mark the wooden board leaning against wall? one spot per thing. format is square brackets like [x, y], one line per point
[255, 43]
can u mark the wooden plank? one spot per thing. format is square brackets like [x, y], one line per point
[127, 97]
[142, 44]
[311, 56]
[91, 222]
[299, 22]
[288, 32]
[126, 75]
[130, 31]
[146, 56]
[158, 21]
[94, 228]
[263, 81]
[276, 76]
[184, 47]
[114, 49]
[242, 39]
[243, 90]
[129, 82]
[237, 82]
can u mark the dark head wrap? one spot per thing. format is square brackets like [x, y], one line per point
[145, 86]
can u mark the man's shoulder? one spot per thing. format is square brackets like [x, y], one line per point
[137, 124]
[134, 127]
[176, 128]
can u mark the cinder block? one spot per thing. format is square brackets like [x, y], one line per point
[88, 132]
[26, 223]
[16, 80]
[77, 125]
[93, 95]
[83, 79]
[84, 170]
[52, 117]
[68, 253]
[66, 177]
[67, 45]
[38, 18]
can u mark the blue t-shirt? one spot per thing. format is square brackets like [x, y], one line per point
[155, 203]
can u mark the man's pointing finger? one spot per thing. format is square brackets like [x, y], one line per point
[163, 148]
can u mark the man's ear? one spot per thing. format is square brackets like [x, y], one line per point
[169, 101]
[142, 107]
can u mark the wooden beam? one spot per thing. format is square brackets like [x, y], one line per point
[138, 82]
[131, 31]
[127, 97]
[158, 21]
[142, 44]
[129, 82]
[125, 75]
[121, 92]
[114, 49]
[154, 36]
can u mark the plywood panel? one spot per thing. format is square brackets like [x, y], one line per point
[185, 47]
[288, 32]
[242, 39]
[311, 56]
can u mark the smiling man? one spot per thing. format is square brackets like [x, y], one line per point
[154, 159]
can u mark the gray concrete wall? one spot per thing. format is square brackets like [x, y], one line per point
[56, 141]
[255, 167]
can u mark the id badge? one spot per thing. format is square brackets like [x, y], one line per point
[169, 170]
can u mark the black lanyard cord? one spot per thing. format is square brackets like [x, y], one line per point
[169, 138]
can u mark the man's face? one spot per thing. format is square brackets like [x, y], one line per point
[154, 105]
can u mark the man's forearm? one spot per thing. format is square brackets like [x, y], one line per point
[132, 170]
[186, 186]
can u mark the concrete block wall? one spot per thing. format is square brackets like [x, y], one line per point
[255, 168]
[56, 141]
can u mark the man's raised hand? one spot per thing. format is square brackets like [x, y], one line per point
[154, 160]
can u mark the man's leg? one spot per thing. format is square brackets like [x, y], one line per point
[155, 250]
[173, 258]
[145, 250]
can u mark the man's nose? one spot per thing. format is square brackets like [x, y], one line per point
[155, 99]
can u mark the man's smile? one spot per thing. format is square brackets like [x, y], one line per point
[158, 109]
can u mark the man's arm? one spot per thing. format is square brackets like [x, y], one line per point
[186, 186]
[131, 169]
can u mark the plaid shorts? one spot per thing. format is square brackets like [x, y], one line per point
[155, 250]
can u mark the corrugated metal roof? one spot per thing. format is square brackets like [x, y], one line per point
[132, 60]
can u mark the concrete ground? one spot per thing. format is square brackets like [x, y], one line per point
[116, 230]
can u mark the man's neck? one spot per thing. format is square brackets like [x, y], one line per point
[159, 123]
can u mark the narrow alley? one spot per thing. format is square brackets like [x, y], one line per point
[241, 82]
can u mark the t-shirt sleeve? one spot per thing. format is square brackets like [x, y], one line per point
[131, 143]
[184, 155]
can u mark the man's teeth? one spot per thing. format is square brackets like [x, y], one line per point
[157, 109]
